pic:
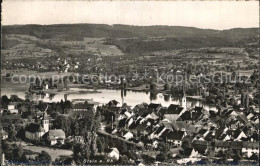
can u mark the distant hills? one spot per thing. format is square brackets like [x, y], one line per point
[135, 37]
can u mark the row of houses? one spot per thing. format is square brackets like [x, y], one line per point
[176, 123]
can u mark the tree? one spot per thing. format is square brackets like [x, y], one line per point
[210, 152]
[93, 145]
[23, 108]
[153, 86]
[185, 145]
[229, 154]
[62, 122]
[237, 157]
[98, 120]
[162, 156]
[148, 159]
[153, 95]
[161, 147]
[123, 160]
[100, 145]
[166, 87]
[18, 153]
[44, 157]
[7, 149]
[64, 160]
[42, 106]
[75, 128]
[222, 155]
[12, 134]
[5, 100]
[78, 153]
[15, 98]
[124, 147]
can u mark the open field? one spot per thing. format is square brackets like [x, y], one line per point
[54, 153]
[106, 50]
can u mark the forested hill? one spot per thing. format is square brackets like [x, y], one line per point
[135, 37]
[124, 31]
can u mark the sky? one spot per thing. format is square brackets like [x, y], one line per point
[202, 14]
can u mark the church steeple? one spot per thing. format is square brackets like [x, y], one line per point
[45, 121]
[183, 100]
[184, 88]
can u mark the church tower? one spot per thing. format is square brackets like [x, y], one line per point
[184, 102]
[183, 99]
[45, 122]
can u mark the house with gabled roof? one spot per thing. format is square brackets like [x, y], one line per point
[135, 123]
[245, 147]
[112, 103]
[242, 118]
[200, 146]
[157, 133]
[114, 153]
[3, 134]
[219, 132]
[141, 129]
[127, 135]
[250, 147]
[174, 112]
[129, 121]
[239, 134]
[154, 107]
[210, 136]
[250, 115]
[125, 114]
[175, 137]
[189, 153]
[203, 132]
[176, 151]
[221, 146]
[224, 137]
[55, 136]
[83, 109]
[122, 123]
[147, 116]
[12, 107]
[168, 125]
[233, 124]
[162, 111]
[229, 112]
[254, 137]
[192, 115]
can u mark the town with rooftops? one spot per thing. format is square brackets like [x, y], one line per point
[118, 94]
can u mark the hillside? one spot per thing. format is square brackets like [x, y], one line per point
[137, 39]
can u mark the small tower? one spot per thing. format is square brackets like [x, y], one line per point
[184, 102]
[183, 99]
[45, 122]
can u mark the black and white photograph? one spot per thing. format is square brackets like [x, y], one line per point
[129, 82]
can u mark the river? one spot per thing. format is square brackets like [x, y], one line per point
[132, 98]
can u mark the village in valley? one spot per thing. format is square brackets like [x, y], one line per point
[98, 94]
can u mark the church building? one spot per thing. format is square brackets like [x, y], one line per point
[35, 131]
